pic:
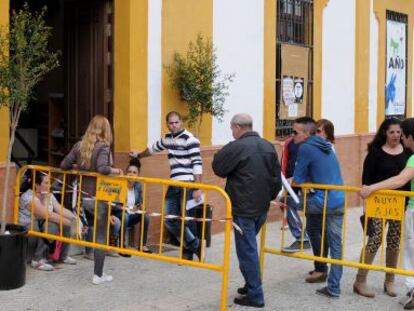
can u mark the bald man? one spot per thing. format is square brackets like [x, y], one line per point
[252, 170]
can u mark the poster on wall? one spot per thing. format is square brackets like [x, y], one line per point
[293, 86]
[395, 90]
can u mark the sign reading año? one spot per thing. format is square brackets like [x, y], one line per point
[385, 206]
[111, 189]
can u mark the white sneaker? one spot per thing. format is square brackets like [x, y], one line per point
[408, 300]
[41, 265]
[69, 261]
[104, 278]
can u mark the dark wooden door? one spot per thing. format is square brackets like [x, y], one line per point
[88, 63]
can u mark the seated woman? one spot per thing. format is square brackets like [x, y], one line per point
[133, 204]
[44, 204]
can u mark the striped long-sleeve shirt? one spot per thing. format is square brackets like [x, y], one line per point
[183, 154]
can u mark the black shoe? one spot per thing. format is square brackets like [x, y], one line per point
[295, 247]
[243, 301]
[242, 290]
[187, 255]
[124, 255]
[325, 292]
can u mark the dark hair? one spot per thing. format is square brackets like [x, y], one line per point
[308, 124]
[172, 113]
[28, 179]
[135, 162]
[407, 127]
[329, 129]
[381, 136]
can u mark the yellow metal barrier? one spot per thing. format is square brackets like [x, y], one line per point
[384, 204]
[112, 190]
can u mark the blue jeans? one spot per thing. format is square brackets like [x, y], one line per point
[131, 220]
[115, 229]
[173, 205]
[246, 249]
[293, 219]
[333, 237]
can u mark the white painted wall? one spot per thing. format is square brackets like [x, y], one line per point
[412, 86]
[154, 70]
[373, 72]
[238, 34]
[338, 65]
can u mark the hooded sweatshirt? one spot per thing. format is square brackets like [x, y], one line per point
[317, 163]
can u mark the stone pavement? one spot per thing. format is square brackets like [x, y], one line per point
[143, 285]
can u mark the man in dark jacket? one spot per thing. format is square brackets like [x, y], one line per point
[252, 170]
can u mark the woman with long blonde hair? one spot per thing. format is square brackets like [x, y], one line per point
[93, 154]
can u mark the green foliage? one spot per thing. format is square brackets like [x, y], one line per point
[198, 79]
[24, 61]
[24, 58]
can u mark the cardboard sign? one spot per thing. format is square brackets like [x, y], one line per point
[111, 189]
[294, 73]
[385, 206]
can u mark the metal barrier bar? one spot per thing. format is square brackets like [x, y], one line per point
[62, 201]
[162, 219]
[183, 213]
[344, 225]
[218, 267]
[203, 227]
[342, 261]
[78, 206]
[144, 207]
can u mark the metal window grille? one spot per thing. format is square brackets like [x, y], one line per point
[294, 26]
[401, 18]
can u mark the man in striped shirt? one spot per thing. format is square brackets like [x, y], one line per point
[186, 165]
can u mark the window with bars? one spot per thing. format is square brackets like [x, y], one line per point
[401, 18]
[294, 26]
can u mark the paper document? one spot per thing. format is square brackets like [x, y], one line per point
[192, 203]
[289, 189]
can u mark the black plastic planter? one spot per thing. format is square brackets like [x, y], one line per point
[13, 258]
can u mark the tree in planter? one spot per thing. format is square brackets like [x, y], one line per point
[198, 79]
[24, 61]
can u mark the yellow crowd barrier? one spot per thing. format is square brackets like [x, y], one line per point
[112, 190]
[385, 205]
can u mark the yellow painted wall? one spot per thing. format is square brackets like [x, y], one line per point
[130, 71]
[362, 37]
[4, 113]
[319, 6]
[401, 6]
[269, 90]
[182, 20]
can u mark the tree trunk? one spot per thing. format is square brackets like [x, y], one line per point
[6, 180]
[200, 120]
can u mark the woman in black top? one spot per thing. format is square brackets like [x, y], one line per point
[386, 158]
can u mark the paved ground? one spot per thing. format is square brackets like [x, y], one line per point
[141, 284]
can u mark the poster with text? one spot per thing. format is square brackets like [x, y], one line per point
[293, 86]
[395, 90]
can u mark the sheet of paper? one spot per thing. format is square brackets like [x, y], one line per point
[192, 203]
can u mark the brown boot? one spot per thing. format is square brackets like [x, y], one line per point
[391, 259]
[360, 284]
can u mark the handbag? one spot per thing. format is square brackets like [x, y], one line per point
[54, 253]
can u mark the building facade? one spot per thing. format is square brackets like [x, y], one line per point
[342, 65]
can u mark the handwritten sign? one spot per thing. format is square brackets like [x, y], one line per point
[111, 189]
[385, 206]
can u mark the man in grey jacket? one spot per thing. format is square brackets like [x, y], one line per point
[252, 170]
